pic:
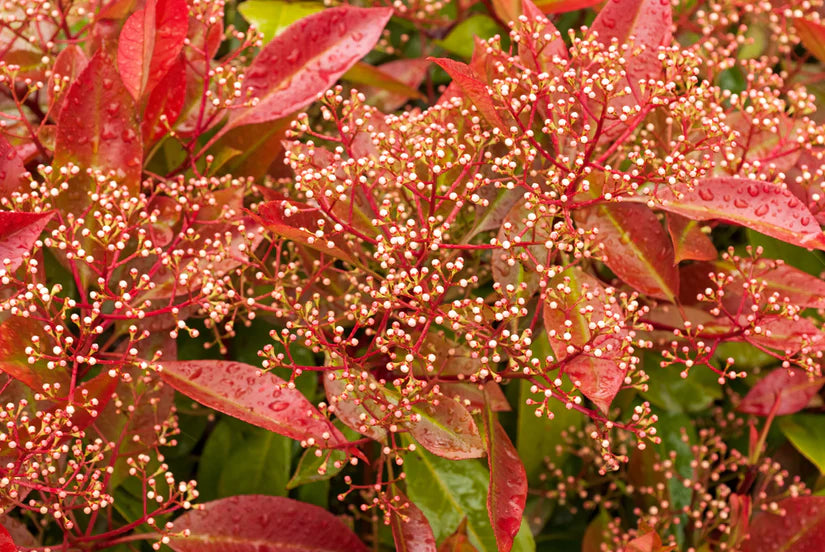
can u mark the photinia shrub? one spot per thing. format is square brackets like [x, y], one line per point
[427, 276]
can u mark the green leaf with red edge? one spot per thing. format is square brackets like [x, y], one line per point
[689, 242]
[165, 102]
[258, 523]
[16, 333]
[762, 206]
[305, 59]
[299, 222]
[793, 388]
[6, 542]
[648, 21]
[259, 398]
[507, 494]
[69, 63]
[12, 168]
[97, 129]
[800, 529]
[349, 404]
[458, 541]
[474, 89]
[638, 249]
[259, 145]
[149, 44]
[807, 434]
[411, 531]
[812, 35]
[444, 427]
[18, 234]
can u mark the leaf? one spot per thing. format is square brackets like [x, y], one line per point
[761, 206]
[366, 74]
[812, 35]
[349, 404]
[18, 234]
[16, 333]
[386, 95]
[689, 242]
[6, 542]
[308, 466]
[299, 222]
[272, 17]
[445, 428]
[458, 541]
[460, 40]
[165, 101]
[800, 529]
[637, 248]
[536, 51]
[259, 464]
[97, 129]
[12, 169]
[807, 261]
[794, 389]
[149, 43]
[411, 531]
[562, 6]
[507, 494]
[258, 523]
[476, 91]
[258, 398]
[259, 145]
[807, 433]
[668, 390]
[304, 60]
[448, 492]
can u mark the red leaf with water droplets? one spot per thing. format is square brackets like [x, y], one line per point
[68, 65]
[800, 529]
[636, 247]
[648, 21]
[11, 168]
[410, 529]
[6, 542]
[150, 42]
[762, 206]
[166, 100]
[689, 242]
[258, 523]
[97, 129]
[793, 388]
[306, 59]
[445, 428]
[259, 398]
[507, 494]
[18, 233]
[473, 88]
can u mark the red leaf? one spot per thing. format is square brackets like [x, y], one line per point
[258, 523]
[410, 529]
[256, 397]
[409, 72]
[561, 6]
[349, 404]
[11, 168]
[648, 21]
[800, 529]
[299, 222]
[97, 129]
[507, 494]
[167, 100]
[150, 42]
[18, 233]
[306, 59]
[761, 206]
[794, 389]
[475, 90]
[68, 65]
[16, 333]
[536, 52]
[689, 242]
[637, 248]
[812, 35]
[6, 542]
[446, 429]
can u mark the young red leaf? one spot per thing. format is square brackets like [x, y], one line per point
[446, 429]
[385, 94]
[18, 232]
[637, 248]
[261, 399]
[150, 42]
[794, 389]
[507, 494]
[70, 62]
[306, 59]
[761, 206]
[458, 541]
[474, 89]
[6, 542]
[165, 101]
[11, 168]
[16, 331]
[812, 35]
[536, 52]
[97, 129]
[689, 242]
[799, 528]
[258, 523]
[561, 6]
[411, 531]
[350, 404]
[800, 288]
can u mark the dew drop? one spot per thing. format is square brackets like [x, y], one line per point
[706, 194]
[753, 190]
[761, 210]
[740, 203]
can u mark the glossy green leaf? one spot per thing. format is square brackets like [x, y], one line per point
[460, 41]
[668, 390]
[812, 262]
[258, 465]
[807, 433]
[271, 17]
[333, 461]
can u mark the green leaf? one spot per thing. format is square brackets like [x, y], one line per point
[307, 470]
[812, 262]
[447, 491]
[807, 433]
[259, 465]
[669, 391]
[223, 438]
[271, 17]
[461, 41]
[669, 428]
